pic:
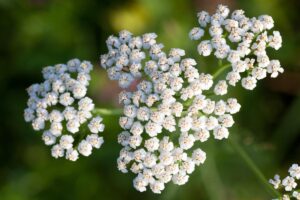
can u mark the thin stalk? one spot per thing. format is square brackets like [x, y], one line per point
[253, 167]
[220, 62]
[106, 111]
[219, 71]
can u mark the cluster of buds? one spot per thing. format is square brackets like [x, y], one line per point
[240, 41]
[59, 106]
[288, 185]
[166, 114]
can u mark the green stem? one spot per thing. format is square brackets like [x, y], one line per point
[106, 111]
[252, 166]
[220, 62]
[219, 71]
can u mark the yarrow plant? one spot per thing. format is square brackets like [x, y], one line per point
[169, 107]
[59, 106]
[288, 185]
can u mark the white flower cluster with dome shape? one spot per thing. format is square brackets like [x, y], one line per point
[240, 41]
[288, 185]
[167, 113]
[59, 106]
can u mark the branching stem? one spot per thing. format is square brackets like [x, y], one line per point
[220, 70]
[253, 167]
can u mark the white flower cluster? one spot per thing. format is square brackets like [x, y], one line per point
[126, 53]
[60, 107]
[170, 107]
[166, 114]
[240, 41]
[289, 184]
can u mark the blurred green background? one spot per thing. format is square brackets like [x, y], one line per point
[36, 33]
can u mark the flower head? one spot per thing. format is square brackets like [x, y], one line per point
[166, 113]
[59, 106]
[169, 105]
[241, 41]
